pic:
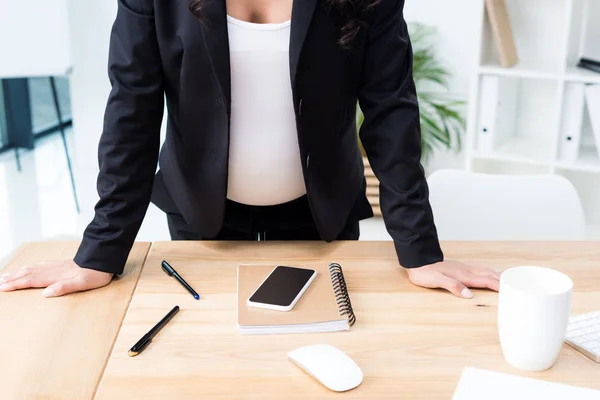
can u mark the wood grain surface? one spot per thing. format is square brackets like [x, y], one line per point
[411, 343]
[57, 348]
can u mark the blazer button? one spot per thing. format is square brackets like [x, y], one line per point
[300, 107]
[307, 160]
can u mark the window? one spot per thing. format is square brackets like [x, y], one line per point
[3, 138]
[43, 112]
[34, 112]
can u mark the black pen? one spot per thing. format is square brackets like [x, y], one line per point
[171, 272]
[147, 338]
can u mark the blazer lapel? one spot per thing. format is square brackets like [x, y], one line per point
[214, 31]
[216, 40]
[302, 12]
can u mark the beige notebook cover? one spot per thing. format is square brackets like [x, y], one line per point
[499, 20]
[316, 311]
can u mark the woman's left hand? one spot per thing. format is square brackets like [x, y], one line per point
[455, 277]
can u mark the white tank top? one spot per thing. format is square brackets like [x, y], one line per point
[265, 167]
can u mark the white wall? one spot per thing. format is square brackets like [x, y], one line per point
[40, 26]
[456, 30]
[90, 24]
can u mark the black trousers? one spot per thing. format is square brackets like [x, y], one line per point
[289, 221]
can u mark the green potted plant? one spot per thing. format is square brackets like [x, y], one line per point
[442, 123]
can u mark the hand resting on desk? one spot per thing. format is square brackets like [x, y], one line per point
[59, 278]
[455, 277]
[66, 277]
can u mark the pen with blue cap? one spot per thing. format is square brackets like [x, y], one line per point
[171, 272]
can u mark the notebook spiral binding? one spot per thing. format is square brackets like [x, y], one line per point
[341, 292]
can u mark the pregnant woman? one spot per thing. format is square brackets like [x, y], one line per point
[261, 136]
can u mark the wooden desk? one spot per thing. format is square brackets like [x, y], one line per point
[57, 348]
[411, 343]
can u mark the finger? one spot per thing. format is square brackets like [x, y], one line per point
[494, 284]
[479, 281]
[27, 281]
[8, 277]
[452, 285]
[486, 272]
[60, 288]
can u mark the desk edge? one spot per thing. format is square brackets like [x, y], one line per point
[112, 346]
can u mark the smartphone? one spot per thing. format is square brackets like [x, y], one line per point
[282, 289]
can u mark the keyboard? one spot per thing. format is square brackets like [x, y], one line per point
[583, 334]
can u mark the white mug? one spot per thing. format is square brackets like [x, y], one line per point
[534, 305]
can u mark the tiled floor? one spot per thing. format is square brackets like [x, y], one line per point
[35, 203]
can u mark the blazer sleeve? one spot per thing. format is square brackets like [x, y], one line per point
[130, 140]
[391, 136]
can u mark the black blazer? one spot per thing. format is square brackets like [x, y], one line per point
[159, 50]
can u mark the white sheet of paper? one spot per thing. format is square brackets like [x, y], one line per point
[477, 384]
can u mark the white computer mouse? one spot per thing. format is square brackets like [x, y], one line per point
[329, 365]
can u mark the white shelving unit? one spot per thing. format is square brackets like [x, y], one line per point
[550, 36]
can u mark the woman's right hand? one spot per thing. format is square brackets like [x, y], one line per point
[59, 278]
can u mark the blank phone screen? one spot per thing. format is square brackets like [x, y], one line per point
[282, 286]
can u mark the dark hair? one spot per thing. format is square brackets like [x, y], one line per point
[351, 10]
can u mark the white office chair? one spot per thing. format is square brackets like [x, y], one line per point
[479, 206]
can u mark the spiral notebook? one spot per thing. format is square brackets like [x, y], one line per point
[324, 307]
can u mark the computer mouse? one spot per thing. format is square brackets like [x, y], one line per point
[329, 365]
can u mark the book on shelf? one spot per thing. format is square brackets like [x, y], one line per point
[589, 64]
[497, 112]
[590, 61]
[572, 122]
[592, 99]
[502, 32]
